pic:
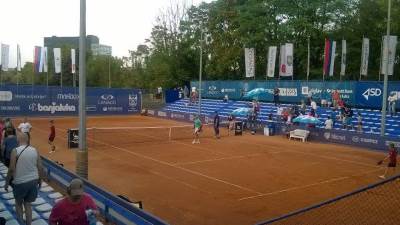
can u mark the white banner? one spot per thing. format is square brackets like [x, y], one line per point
[5, 53]
[392, 54]
[271, 61]
[249, 60]
[57, 60]
[282, 61]
[42, 58]
[333, 55]
[18, 59]
[289, 59]
[364, 57]
[343, 59]
[73, 66]
[45, 59]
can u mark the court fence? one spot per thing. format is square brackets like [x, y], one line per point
[375, 204]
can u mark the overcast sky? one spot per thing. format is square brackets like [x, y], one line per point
[122, 24]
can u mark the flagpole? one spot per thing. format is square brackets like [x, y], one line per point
[61, 78]
[385, 79]
[362, 56]
[109, 71]
[380, 61]
[308, 58]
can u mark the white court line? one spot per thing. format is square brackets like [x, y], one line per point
[308, 185]
[218, 159]
[179, 167]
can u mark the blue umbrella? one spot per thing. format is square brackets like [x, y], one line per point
[306, 119]
[241, 112]
[255, 92]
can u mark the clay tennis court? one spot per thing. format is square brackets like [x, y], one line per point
[233, 180]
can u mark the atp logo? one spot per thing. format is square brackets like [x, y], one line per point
[372, 92]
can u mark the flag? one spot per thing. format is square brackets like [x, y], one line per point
[271, 61]
[45, 60]
[282, 61]
[73, 66]
[5, 50]
[327, 57]
[343, 59]
[364, 57]
[392, 54]
[333, 55]
[37, 59]
[289, 59]
[18, 59]
[249, 60]
[57, 60]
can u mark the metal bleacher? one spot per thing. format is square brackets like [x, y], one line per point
[371, 118]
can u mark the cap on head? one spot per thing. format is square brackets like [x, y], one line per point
[75, 187]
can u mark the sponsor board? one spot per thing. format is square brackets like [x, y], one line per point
[372, 92]
[53, 108]
[12, 108]
[5, 96]
[107, 99]
[91, 108]
[177, 116]
[23, 96]
[68, 96]
[212, 90]
[162, 114]
[151, 112]
[132, 102]
[228, 90]
[113, 109]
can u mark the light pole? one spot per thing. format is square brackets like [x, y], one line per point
[82, 154]
[385, 81]
[200, 70]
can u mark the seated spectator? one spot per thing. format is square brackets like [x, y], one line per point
[226, 98]
[73, 209]
[329, 123]
[324, 103]
[8, 144]
[314, 105]
[312, 113]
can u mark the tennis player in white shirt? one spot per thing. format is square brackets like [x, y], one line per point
[25, 127]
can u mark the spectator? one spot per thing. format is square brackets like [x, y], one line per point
[276, 96]
[226, 98]
[329, 123]
[335, 98]
[270, 117]
[314, 105]
[303, 107]
[279, 111]
[74, 209]
[312, 113]
[25, 127]
[392, 156]
[186, 92]
[359, 123]
[392, 104]
[52, 135]
[231, 123]
[216, 124]
[8, 124]
[309, 97]
[252, 121]
[24, 174]
[9, 143]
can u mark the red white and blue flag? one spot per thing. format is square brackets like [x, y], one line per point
[38, 60]
[329, 57]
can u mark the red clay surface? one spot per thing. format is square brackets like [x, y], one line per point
[234, 180]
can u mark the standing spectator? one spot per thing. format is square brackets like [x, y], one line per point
[276, 96]
[8, 124]
[26, 171]
[303, 107]
[231, 123]
[52, 136]
[25, 127]
[9, 143]
[314, 105]
[329, 123]
[335, 98]
[359, 123]
[186, 92]
[279, 111]
[216, 124]
[197, 129]
[392, 104]
[392, 156]
[73, 209]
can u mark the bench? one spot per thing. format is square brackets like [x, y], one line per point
[300, 134]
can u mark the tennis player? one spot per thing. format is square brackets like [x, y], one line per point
[392, 156]
[52, 136]
[197, 129]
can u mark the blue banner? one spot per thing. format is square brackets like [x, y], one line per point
[47, 101]
[359, 94]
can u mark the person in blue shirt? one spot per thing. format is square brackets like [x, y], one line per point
[9, 143]
[216, 124]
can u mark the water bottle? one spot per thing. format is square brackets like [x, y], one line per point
[91, 217]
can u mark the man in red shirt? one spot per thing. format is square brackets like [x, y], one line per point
[392, 156]
[52, 136]
[72, 209]
[335, 98]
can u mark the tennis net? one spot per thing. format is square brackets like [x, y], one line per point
[123, 136]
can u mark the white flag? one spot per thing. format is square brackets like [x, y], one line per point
[333, 55]
[41, 62]
[45, 59]
[5, 50]
[282, 61]
[73, 66]
[57, 60]
[271, 61]
[343, 59]
[249, 60]
[289, 59]
[18, 59]
[392, 54]
[364, 57]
